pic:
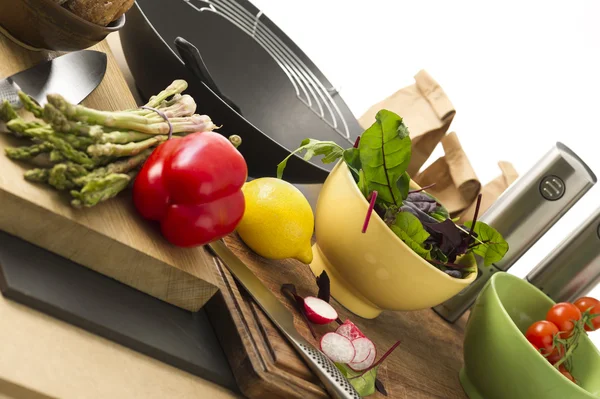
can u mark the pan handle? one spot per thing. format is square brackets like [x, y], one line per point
[194, 62]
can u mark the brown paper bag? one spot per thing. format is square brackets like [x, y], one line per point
[492, 190]
[427, 112]
[456, 184]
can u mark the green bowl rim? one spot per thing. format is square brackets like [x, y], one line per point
[522, 338]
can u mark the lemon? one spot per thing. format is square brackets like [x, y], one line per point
[278, 222]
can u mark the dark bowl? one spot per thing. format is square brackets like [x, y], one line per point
[44, 25]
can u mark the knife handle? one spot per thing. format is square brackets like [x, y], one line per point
[336, 384]
[10, 91]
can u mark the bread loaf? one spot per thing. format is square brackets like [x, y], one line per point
[101, 12]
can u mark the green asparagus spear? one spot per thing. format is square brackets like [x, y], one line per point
[60, 123]
[31, 105]
[177, 87]
[123, 137]
[100, 189]
[56, 156]
[37, 175]
[122, 166]
[59, 178]
[27, 153]
[130, 121]
[122, 150]
[19, 127]
[61, 145]
[7, 112]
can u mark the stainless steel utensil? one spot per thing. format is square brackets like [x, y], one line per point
[524, 213]
[336, 384]
[74, 76]
[572, 269]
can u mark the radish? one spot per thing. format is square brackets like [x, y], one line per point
[350, 331]
[363, 347]
[318, 311]
[339, 349]
[365, 364]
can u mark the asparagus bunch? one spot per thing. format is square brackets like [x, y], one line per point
[92, 154]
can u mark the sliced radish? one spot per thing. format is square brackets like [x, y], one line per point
[363, 347]
[318, 311]
[349, 330]
[365, 364]
[339, 349]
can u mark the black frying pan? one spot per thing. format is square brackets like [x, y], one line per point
[243, 72]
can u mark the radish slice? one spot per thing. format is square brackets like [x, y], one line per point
[360, 366]
[363, 347]
[350, 331]
[339, 349]
[318, 311]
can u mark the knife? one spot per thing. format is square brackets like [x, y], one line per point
[336, 384]
[74, 76]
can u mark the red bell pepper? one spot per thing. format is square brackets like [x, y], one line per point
[192, 186]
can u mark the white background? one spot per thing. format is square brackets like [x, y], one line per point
[521, 75]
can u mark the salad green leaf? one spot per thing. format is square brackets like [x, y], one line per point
[330, 150]
[364, 384]
[352, 159]
[411, 231]
[385, 150]
[490, 244]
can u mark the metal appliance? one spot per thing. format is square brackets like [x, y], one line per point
[572, 269]
[524, 213]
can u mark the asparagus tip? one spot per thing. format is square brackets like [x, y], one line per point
[235, 140]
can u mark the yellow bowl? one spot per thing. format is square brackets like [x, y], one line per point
[374, 271]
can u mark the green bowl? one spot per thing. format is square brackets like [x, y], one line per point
[500, 362]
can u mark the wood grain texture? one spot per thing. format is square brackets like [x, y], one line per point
[425, 365]
[110, 238]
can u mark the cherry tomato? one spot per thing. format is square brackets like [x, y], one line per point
[564, 372]
[595, 320]
[557, 353]
[584, 304]
[564, 315]
[541, 335]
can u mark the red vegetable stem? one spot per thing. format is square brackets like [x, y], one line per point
[356, 142]
[381, 359]
[475, 214]
[422, 189]
[369, 211]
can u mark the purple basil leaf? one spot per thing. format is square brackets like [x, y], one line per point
[380, 388]
[290, 291]
[324, 286]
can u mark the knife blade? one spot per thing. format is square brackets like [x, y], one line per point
[74, 76]
[336, 384]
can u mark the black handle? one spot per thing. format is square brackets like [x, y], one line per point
[194, 62]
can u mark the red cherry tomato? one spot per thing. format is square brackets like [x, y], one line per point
[557, 353]
[541, 335]
[564, 315]
[585, 304]
[564, 372]
[596, 320]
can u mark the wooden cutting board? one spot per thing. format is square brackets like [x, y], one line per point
[425, 365]
[109, 238]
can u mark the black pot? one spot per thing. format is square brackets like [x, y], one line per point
[243, 72]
